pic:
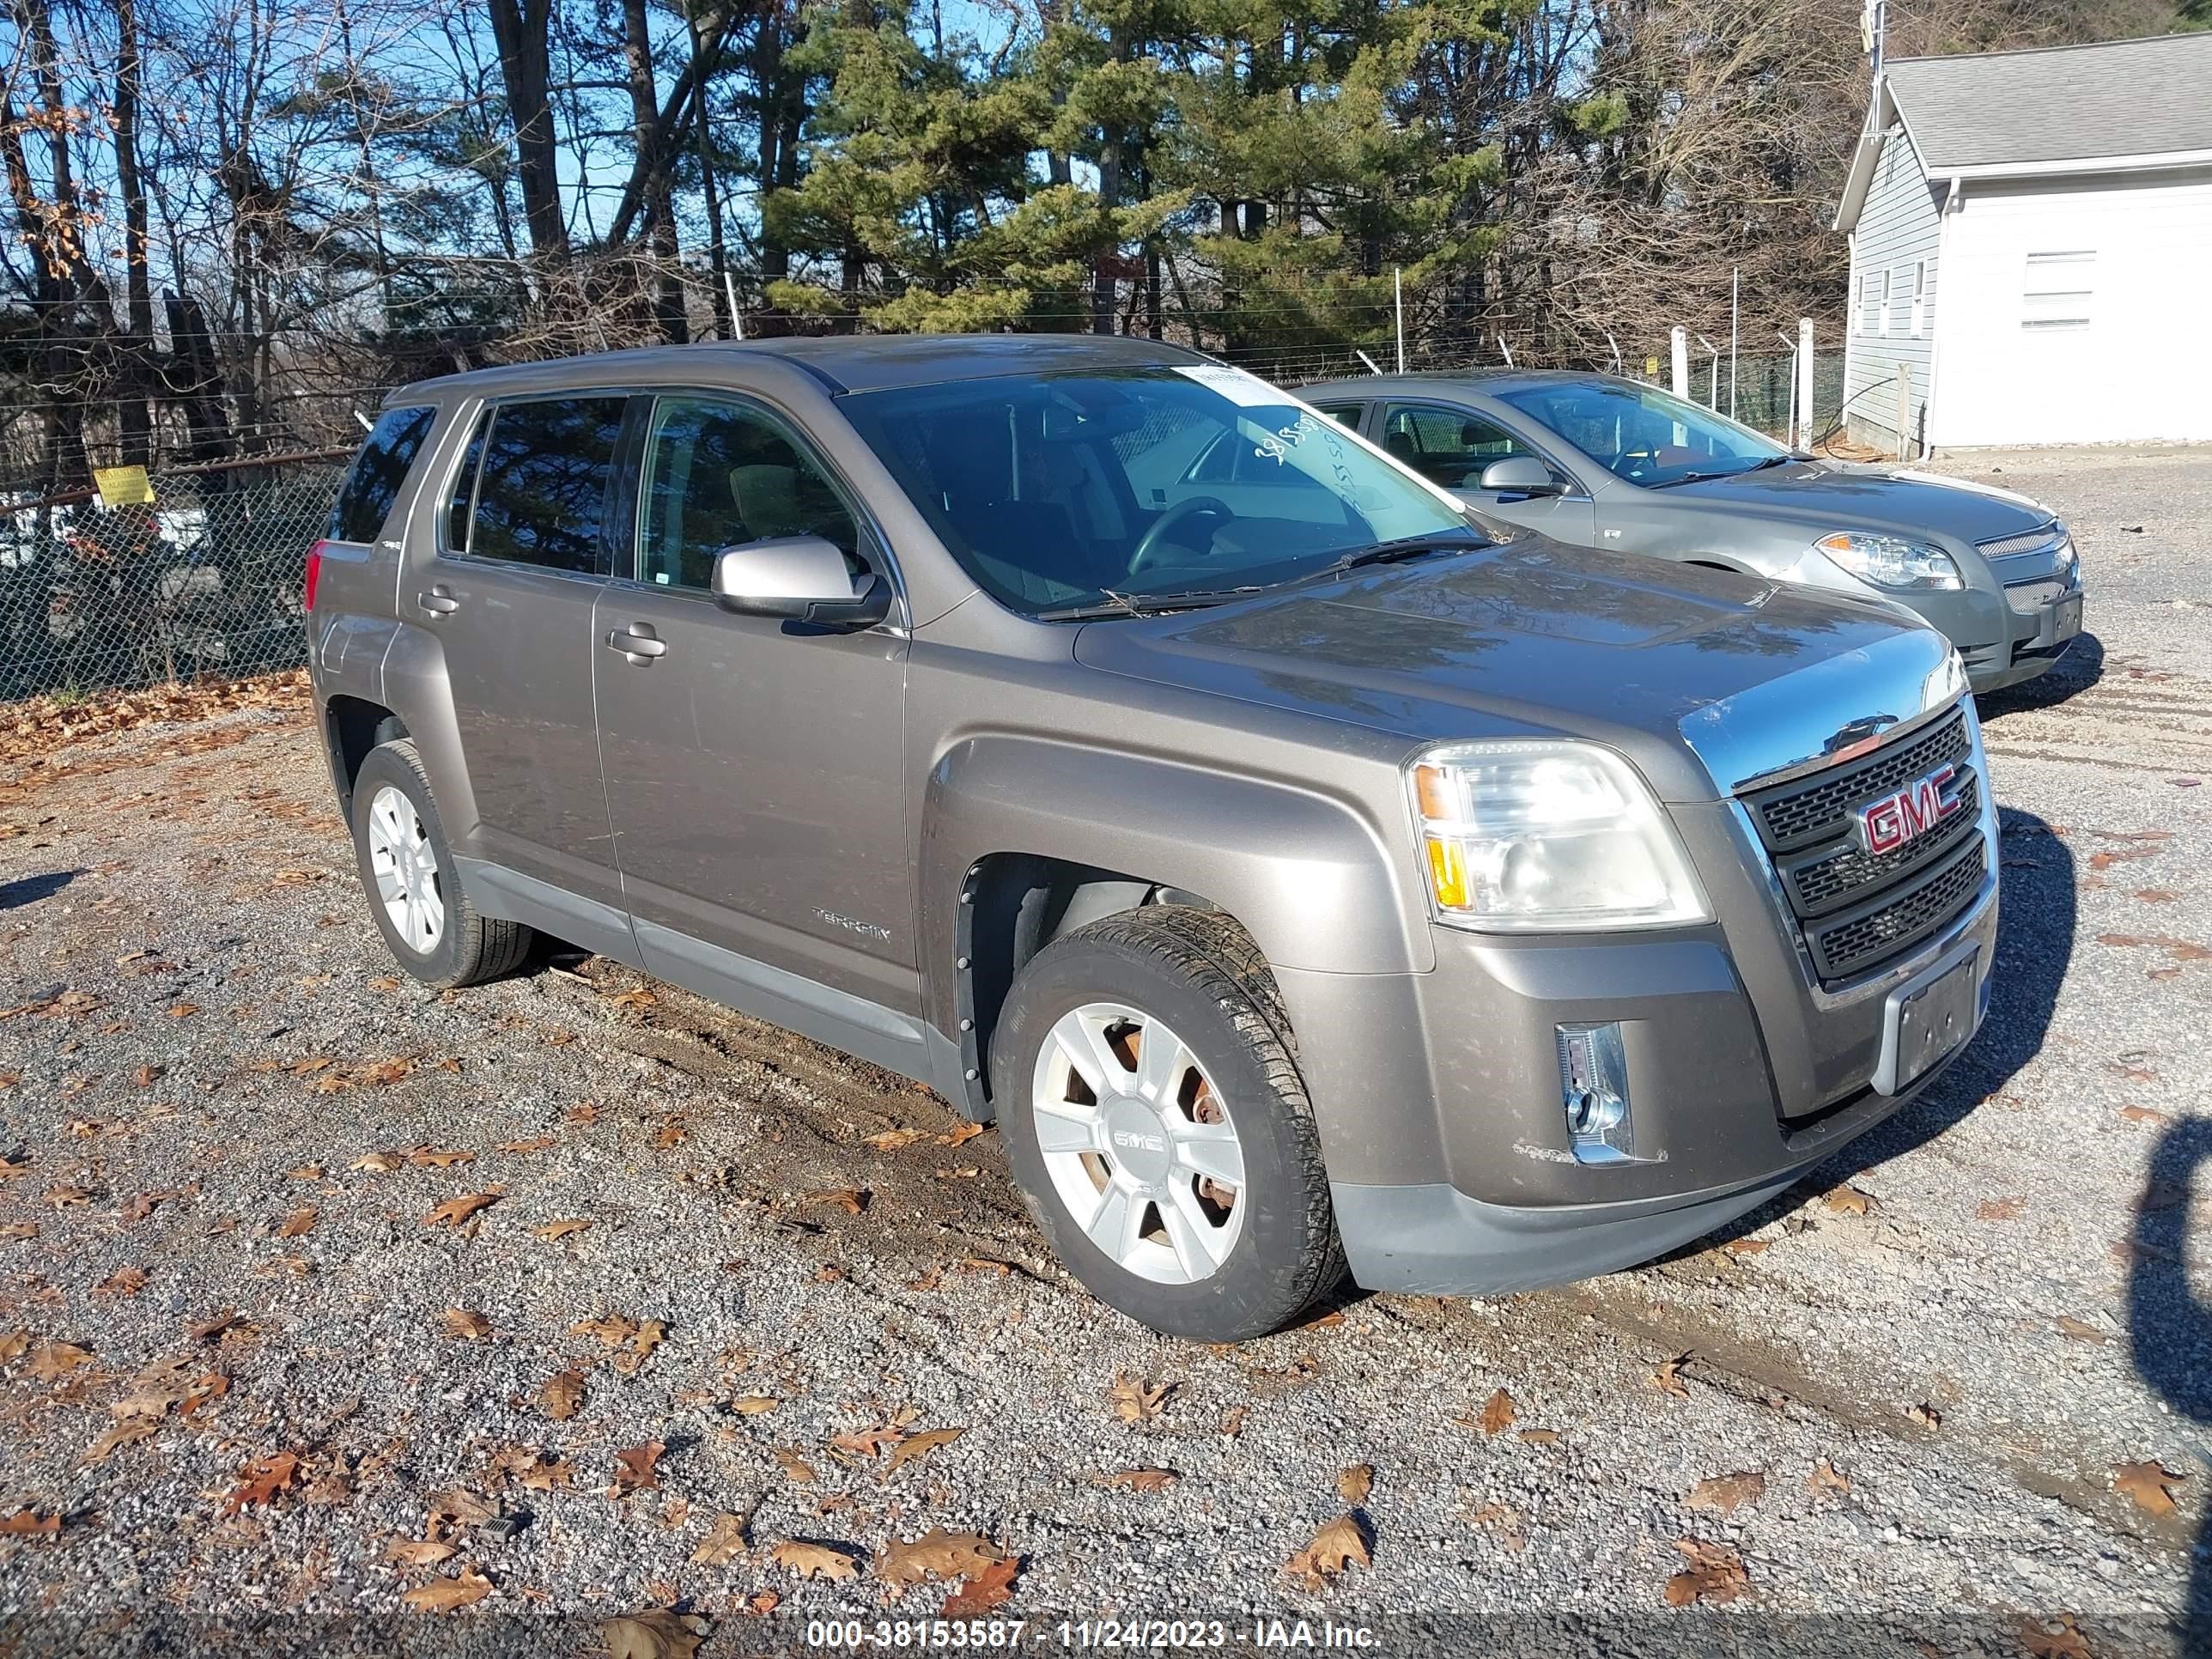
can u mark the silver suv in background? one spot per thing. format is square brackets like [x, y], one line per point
[1298, 876]
[1601, 462]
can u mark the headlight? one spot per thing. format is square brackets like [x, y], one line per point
[1534, 836]
[1891, 563]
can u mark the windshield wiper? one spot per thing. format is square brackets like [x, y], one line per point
[1726, 472]
[1392, 552]
[1143, 604]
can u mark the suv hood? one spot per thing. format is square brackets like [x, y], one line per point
[1704, 678]
[1815, 495]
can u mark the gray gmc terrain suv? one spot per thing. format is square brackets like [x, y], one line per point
[1301, 875]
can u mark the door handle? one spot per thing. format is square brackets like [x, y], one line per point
[639, 648]
[438, 601]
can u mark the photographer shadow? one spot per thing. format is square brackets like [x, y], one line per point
[2170, 1326]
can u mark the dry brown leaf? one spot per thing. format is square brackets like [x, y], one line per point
[535, 1143]
[28, 1523]
[454, 1210]
[960, 1136]
[419, 1552]
[1668, 1379]
[1925, 1415]
[2079, 1330]
[1541, 1436]
[2145, 1115]
[445, 1594]
[467, 1324]
[1848, 1200]
[51, 1361]
[1748, 1246]
[809, 1560]
[2150, 1484]
[983, 1591]
[1134, 1400]
[183, 1010]
[129, 1431]
[2000, 1209]
[1338, 1545]
[1146, 1481]
[208, 1329]
[890, 1140]
[260, 1480]
[794, 1467]
[1724, 1494]
[635, 1469]
[936, 1554]
[379, 1162]
[1498, 1413]
[1233, 1421]
[2053, 1638]
[19, 1229]
[553, 1231]
[1716, 1573]
[1826, 1477]
[662, 1633]
[612, 1330]
[919, 1446]
[300, 1223]
[461, 1507]
[850, 1200]
[562, 1395]
[724, 1543]
[429, 1158]
[124, 1281]
[752, 1405]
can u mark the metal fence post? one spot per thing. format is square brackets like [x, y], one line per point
[1808, 432]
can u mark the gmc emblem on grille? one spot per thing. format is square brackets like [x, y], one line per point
[1884, 825]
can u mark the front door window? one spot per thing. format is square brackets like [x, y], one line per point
[719, 475]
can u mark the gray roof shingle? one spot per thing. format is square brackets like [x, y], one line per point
[2058, 104]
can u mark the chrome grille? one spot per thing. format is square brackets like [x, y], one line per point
[1829, 879]
[1855, 909]
[1855, 943]
[1798, 815]
[2028, 541]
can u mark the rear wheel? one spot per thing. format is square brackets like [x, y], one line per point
[415, 893]
[1159, 1127]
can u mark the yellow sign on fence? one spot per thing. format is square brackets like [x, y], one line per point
[120, 485]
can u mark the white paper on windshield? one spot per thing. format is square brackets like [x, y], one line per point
[1245, 391]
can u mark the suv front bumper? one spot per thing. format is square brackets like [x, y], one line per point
[1451, 1166]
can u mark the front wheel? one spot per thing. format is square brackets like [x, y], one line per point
[1159, 1127]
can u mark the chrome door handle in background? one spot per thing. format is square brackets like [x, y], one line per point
[438, 601]
[638, 647]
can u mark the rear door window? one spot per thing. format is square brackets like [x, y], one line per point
[371, 486]
[541, 498]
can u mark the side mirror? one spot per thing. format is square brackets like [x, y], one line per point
[1520, 475]
[800, 579]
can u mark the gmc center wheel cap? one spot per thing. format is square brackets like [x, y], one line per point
[1138, 1143]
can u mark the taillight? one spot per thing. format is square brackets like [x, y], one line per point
[314, 573]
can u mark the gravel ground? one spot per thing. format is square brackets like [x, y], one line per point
[243, 1356]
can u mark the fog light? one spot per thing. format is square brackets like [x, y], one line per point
[1593, 1092]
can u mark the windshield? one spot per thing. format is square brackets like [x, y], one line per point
[1641, 433]
[1060, 491]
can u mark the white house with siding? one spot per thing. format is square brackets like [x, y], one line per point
[2031, 241]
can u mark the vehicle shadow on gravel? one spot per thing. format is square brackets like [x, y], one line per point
[2071, 675]
[2170, 1326]
[29, 889]
[2036, 923]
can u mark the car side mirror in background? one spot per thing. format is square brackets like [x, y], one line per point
[1520, 475]
[800, 579]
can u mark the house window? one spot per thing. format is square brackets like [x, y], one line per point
[1882, 325]
[1919, 295]
[1865, 321]
[2055, 293]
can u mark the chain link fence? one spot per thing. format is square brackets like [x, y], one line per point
[203, 580]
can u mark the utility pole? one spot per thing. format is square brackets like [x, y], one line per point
[1873, 24]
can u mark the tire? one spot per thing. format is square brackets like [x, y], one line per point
[1184, 1253]
[393, 806]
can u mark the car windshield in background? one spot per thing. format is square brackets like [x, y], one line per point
[1641, 433]
[1061, 492]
